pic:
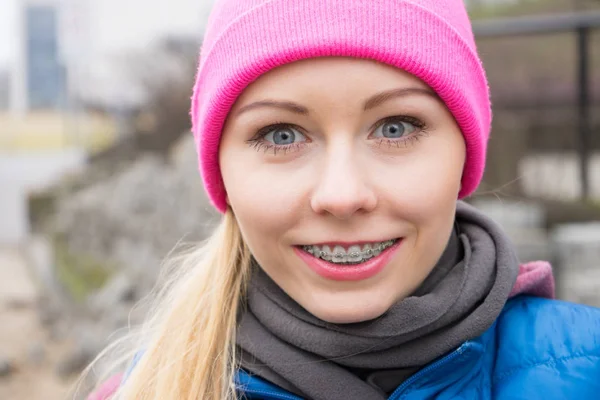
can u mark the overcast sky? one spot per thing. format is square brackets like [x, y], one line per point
[115, 25]
[5, 30]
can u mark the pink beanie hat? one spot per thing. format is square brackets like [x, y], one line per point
[431, 39]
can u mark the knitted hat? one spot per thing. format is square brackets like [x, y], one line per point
[431, 39]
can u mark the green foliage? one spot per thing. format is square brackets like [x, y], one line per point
[79, 274]
[41, 207]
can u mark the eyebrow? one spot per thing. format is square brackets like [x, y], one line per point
[372, 102]
[382, 97]
[285, 105]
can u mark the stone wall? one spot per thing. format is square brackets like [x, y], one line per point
[126, 224]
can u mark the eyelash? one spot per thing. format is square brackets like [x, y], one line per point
[406, 141]
[259, 144]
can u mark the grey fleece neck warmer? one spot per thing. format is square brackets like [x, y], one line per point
[466, 291]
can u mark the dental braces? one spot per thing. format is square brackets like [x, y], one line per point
[367, 253]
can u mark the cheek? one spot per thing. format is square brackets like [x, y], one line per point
[265, 200]
[427, 183]
[424, 193]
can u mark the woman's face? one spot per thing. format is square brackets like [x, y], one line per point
[343, 175]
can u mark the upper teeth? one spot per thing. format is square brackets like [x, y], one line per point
[354, 254]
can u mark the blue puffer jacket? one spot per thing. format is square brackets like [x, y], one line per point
[536, 349]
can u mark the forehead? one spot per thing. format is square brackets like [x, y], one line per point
[328, 75]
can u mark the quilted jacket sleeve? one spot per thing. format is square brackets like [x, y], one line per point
[548, 350]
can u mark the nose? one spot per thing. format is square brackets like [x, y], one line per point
[342, 190]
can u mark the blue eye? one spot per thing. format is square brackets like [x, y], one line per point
[394, 129]
[280, 137]
[284, 135]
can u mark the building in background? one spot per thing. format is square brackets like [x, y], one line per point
[38, 77]
[4, 89]
[49, 64]
[46, 73]
[46, 134]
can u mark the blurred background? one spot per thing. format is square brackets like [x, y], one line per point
[99, 181]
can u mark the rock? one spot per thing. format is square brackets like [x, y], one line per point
[74, 363]
[120, 289]
[48, 312]
[36, 354]
[18, 304]
[58, 332]
[136, 217]
[41, 258]
[118, 318]
[6, 367]
[126, 220]
[90, 343]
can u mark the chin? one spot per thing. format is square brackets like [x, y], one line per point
[349, 313]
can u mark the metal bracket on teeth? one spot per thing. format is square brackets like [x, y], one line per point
[367, 253]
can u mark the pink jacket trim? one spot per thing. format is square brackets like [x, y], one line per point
[108, 388]
[536, 279]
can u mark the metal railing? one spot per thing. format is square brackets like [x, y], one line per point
[580, 23]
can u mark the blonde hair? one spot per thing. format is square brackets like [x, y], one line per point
[188, 339]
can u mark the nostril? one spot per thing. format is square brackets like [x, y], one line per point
[343, 206]
[342, 189]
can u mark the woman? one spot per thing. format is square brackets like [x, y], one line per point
[336, 137]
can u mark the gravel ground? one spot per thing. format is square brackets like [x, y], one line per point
[27, 354]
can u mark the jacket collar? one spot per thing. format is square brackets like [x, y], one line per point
[444, 372]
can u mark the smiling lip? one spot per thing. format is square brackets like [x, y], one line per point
[349, 272]
[347, 245]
